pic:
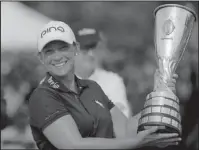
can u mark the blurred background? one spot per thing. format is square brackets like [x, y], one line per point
[127, 48]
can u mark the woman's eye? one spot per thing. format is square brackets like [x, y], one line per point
[65, 48]
[49, 51]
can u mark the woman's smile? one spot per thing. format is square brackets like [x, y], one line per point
[60, 64]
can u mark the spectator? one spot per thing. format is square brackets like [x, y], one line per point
[89, 67]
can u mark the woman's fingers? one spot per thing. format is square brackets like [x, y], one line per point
[166, 135]
[148, 131]
[156, 137]
[161, 145]
[164, 142]
[175, 76]
[173, 81]
[171, 140]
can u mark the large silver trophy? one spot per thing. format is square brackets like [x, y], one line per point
[173, 27]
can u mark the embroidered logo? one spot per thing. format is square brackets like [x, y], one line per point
[53, 83]
[96, 101]
[50, 29]
[168, 27]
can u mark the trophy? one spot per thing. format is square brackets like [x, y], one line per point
[173, 27]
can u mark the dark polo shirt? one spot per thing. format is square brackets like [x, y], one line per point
[90, 108]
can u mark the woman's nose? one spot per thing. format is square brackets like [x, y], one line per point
[58, 56]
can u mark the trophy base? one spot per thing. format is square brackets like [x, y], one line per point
[163, 128]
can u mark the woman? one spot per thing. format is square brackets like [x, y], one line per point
[69, 113]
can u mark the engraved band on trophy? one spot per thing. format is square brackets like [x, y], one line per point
[173, 27]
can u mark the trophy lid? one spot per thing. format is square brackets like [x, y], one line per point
[176, 5]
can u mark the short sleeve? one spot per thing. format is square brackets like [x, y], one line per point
[44, 108]
[109, 103]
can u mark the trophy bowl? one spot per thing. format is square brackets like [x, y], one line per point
[173, 27]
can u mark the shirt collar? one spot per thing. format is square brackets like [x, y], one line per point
[54, 83]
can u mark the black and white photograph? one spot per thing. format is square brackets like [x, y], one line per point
[99, 75]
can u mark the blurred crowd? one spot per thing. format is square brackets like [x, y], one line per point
[127, 48]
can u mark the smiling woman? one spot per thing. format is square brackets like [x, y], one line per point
[69, 113]
[57, 48]
[58, 57]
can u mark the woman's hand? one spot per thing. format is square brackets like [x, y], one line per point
[150, 138]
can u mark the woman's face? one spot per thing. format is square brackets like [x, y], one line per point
[58, 58]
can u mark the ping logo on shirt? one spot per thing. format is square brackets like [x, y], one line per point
[53, 83]
[48, 30]
[96, 101]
